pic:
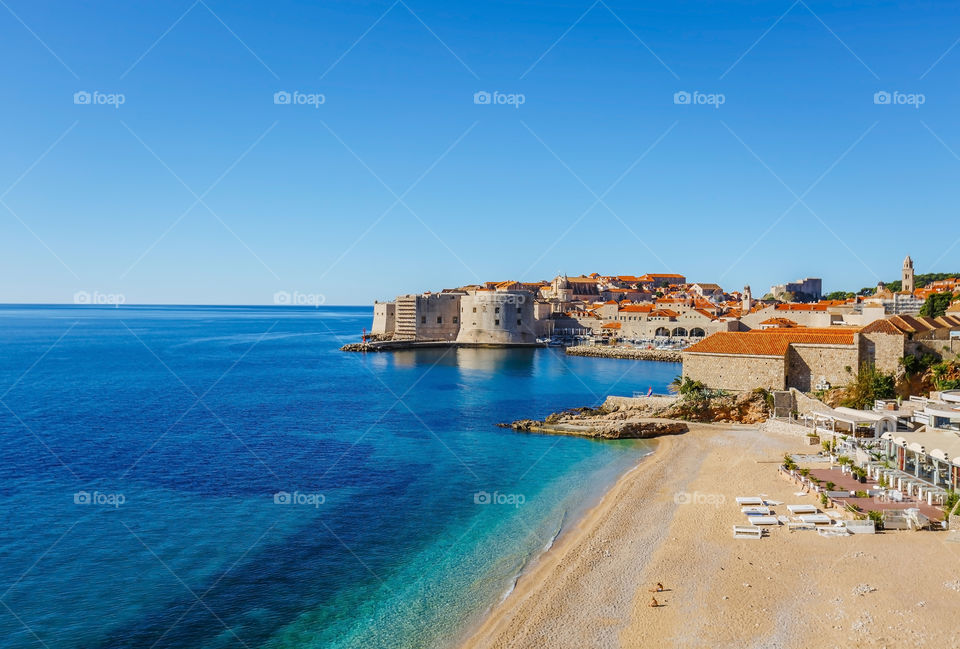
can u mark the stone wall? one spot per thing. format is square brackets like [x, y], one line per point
[438, 316]
[497, 317]
[736, 373]
[807, 364]
[655, 401]
[384, 318]
[633, 353]
[882, 349]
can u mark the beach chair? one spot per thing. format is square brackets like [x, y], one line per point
[747, 532]
[755, 511]
[763, 520]
[816, 519]
[749, 500]
[802, 509]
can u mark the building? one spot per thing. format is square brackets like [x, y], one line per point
[774, 359]
[429, 317]
[489, 317]
[809, 358]
[907, 283]
[384, 318]
[809, 289]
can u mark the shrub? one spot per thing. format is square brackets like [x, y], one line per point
[830, 486]
[869, 385]
[876, 517]
[860, 494]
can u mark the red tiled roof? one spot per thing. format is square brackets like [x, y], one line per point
[611, 325]
[772, 342]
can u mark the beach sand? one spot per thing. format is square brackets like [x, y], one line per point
[670, 520]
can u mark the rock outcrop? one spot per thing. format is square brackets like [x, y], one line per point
[601, 428]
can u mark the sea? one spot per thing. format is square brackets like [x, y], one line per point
[213, 477]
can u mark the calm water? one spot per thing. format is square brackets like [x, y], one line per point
[145, 456]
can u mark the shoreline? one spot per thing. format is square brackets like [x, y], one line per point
[668, 519]
[498, 617]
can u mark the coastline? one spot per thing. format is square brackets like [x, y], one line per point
[508, 622]
[669, 518]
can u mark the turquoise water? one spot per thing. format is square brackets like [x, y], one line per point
[145, 454]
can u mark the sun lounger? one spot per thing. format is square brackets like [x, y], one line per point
[800, 526]
[772, 503]
[783, 519]
[802, 509]
[833, 532]
[755, 511]
[816, 519]
[861, 527]
[763, 520]
[749, 500]
[747, 532]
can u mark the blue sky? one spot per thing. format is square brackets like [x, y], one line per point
[200, 189]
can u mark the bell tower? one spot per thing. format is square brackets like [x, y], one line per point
[747, 300]
[907, 284]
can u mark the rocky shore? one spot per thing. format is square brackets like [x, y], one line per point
[631, 353]
[602, 429]
[645, 417]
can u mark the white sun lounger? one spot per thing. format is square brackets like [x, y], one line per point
[763, 520]
[802, 509]
[747, 532]
[755, 511]
[749, 500]
[816, 519]
[833, 532]
[800, 526]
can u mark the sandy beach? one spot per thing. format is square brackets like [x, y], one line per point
[669, 520]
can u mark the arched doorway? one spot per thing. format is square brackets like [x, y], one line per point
[697, 332]
[679, 332]
[662, 331]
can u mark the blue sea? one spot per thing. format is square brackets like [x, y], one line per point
[213, 477]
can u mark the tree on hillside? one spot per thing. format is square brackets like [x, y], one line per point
[839, 295]
[869, 385]
[936, 304]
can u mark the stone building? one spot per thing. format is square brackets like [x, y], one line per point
[808, 358]
[384, 318]
[775, 359]
[907, 283]
[427, 317]
[490, 317]
[810, 288]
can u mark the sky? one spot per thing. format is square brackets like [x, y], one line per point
[414, 145]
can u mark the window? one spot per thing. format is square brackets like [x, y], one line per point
[496, 322]
[519, 321]
[474, 309]
[496, 310]
[439, 319]
[455, 319]
[423, 319]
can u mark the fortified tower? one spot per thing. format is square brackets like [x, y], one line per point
[747, 300]
[907, 284]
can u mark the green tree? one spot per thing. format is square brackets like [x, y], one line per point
[839, 295]
[869, 385]
[936, 304]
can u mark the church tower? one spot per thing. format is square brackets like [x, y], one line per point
[907, 284]
[747, 300]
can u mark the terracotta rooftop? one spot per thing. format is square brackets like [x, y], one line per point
[772, 342]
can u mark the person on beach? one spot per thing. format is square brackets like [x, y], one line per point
[654, 603]
[658, 589]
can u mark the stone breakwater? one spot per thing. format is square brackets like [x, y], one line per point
[632, 353]
[602, 430]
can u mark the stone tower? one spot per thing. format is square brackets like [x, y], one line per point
[907, 284]
[747, 300]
